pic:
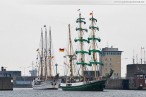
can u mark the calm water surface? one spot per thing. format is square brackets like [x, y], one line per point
[23, 92]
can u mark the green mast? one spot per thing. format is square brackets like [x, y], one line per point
[94, 52]
[81, 41]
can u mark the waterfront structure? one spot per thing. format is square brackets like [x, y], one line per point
[137, 72]
[10, 79]
[6, 79]
[133, 69]
[23, 81]
[6, 83]
[33, 72]
[5, 73]
[111, 58]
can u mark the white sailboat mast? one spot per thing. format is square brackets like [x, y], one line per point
[41, 56]
[46, 54]
[50, 53]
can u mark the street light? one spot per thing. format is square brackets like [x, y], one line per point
[56, 67]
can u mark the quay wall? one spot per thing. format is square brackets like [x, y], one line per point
[6, 83]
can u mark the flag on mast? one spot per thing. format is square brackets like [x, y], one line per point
[37, 49]
[78, 10]
[61, 49]
[91, 13]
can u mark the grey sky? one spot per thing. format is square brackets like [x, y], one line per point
[122, 26]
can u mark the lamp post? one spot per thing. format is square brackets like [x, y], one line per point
[56, 67]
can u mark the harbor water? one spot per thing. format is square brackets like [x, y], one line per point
[29, 92]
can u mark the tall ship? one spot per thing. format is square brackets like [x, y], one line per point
[45, 79]
[82, 82]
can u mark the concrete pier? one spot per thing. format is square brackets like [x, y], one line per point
[117, 84]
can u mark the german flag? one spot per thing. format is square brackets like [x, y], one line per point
[61, 49]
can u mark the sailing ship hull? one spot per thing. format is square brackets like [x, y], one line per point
[90, 86]
[46, 85]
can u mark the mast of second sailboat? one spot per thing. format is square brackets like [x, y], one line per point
[94, 50]
[50, 54]
[46, 54]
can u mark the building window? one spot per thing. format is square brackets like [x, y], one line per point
[110, 59]
[141, 76]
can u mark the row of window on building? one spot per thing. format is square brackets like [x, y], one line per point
[112, 53]
[108, 59]
[5, 75]
[108, 64]
[141, 76]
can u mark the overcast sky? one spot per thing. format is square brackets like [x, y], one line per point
[121, 26]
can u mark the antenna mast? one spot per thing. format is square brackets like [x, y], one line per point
[144, 57]
[141, 55]
[133, 58]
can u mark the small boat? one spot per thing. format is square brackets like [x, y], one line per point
[82, 82]
[45, 79]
